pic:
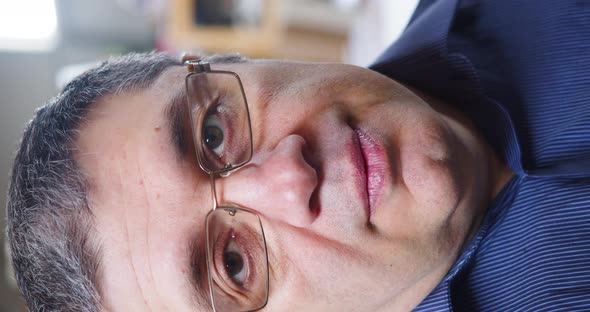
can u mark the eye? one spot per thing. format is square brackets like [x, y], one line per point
[238, 266]
[233, 263]
[213, 136]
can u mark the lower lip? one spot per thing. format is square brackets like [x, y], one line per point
[375, 164]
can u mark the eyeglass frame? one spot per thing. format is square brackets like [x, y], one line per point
[198, 67]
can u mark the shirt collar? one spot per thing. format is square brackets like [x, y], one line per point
[421, 58]
[440, 298]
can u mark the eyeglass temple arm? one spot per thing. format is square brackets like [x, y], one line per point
[197, 66]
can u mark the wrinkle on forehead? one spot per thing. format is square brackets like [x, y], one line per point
[98, 192]
[108, 157]
[146, 237]
[132, 227]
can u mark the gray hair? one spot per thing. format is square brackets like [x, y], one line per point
[49, 222]
[50, 225]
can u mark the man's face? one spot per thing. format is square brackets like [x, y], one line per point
[366, 192]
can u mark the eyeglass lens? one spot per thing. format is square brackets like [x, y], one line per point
[236, 257]
[220, 120]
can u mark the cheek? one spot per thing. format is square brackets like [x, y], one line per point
[315, 271]
[430, 163]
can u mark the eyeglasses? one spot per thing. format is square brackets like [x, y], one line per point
[237, 259]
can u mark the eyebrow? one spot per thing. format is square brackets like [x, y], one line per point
[198, 278]
[176, 113]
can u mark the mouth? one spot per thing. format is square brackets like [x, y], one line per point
[375, 166]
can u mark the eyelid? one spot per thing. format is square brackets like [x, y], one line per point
[239, 241]
[213, 120]
[225, 119]
[227, 135]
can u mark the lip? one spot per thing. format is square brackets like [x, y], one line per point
[375, 165]
[359, 173]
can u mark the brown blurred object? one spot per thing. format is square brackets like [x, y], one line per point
[298, 30]
[257, 41]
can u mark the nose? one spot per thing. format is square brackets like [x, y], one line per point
[278, 183]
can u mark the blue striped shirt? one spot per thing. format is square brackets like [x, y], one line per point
[520, 69]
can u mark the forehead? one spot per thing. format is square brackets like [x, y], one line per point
[132, 123]
[142, 196]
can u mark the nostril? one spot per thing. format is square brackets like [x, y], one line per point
[310, 158]
[314, 203]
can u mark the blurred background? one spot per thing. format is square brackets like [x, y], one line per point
[45, 43]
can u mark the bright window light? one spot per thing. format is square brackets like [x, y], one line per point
[27, 24]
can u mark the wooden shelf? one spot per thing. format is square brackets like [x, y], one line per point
[261, 41]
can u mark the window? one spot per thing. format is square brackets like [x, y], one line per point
[27, 25]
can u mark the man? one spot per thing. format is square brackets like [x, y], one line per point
[231, 184]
